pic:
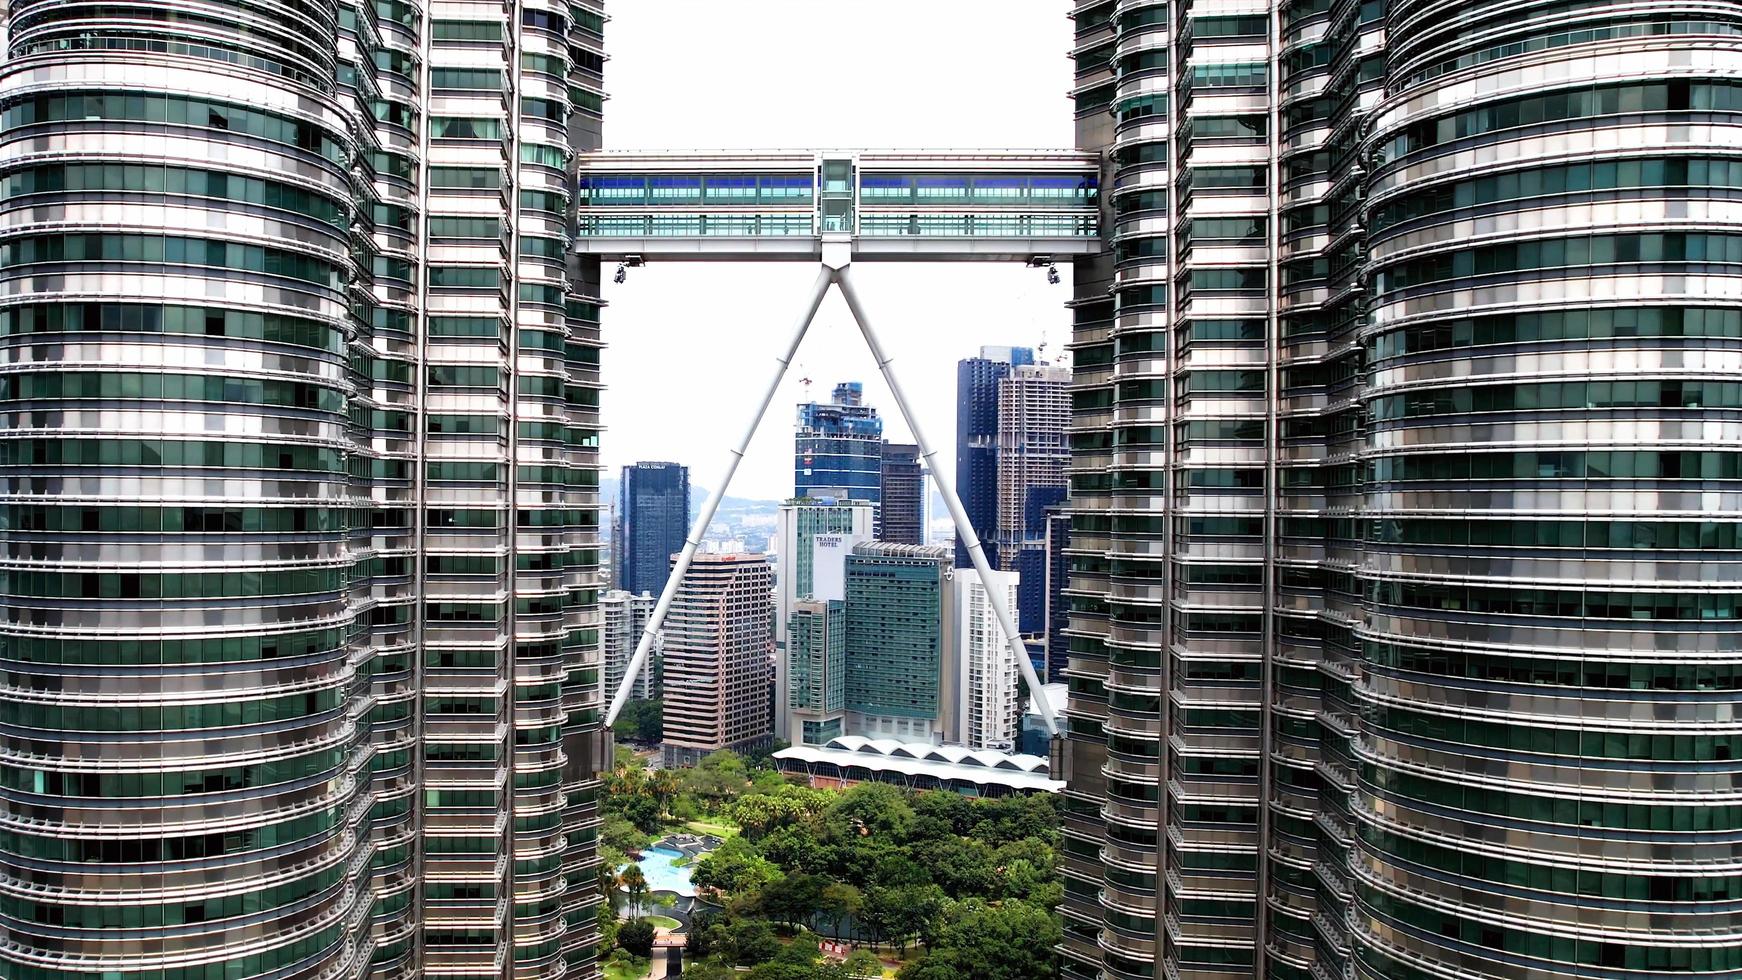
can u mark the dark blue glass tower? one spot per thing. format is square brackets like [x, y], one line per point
[1058, 538]
[653, 512]
[838, 448]
[977, 439]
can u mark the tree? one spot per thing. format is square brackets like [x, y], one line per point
[707, 935]
[1031, 849]
[641, 721]
[721, 776]
[635, 883]
[899, 869]
[839, 901]
[621, 835]
[931, 966]
[1011, 940]
[642, 811]
[914, 912]
[636, 936]
[1020, 879]
[1015, 817]
[952, 809]
[794, 898]
[610, 859]
[607, 921]
[897, 915]
[863, 963]
[758, 813]
[871, 809]
[663, 783]
[735, 868]
[857, 859]
[795, 849]
[753, 942]
[961, 867]
[802, 951]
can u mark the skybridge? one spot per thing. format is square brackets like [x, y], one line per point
[835, 208]
[892, 205]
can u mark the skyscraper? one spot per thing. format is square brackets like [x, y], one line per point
[807, 528]
[901, 516]
[985, 668]
[1403, 639]
[838, 447]
[816, 666]
[977, 439]
[653, 515]
[719, 645]
[1058, 576]
[300, 458]
[1034, 410]
[901, 643]
[625, 618]
[1397, 448]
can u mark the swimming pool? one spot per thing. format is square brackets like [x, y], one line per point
[656, 867]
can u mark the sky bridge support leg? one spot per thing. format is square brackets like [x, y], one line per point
[644, 646]
[958, 515]
[839, 273]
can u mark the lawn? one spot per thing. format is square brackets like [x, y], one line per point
[663, 921]
[720, 830]
[630, 969]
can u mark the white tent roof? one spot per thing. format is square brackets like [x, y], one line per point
[982, 766]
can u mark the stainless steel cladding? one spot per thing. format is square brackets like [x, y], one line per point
[299, 649]
[1408, 406]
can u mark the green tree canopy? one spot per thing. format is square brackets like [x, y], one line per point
[734, 868]
[636, 936]
[1009, 940]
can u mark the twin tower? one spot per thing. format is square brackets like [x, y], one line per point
[1405, 426]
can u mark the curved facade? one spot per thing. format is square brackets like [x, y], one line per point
[1402, 623]
[300, 567]
[1546, 767]
[185, 735]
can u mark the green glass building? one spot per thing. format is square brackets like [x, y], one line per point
[816, 670]
[900, 640]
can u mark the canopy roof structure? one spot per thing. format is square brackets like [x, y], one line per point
[943, 762]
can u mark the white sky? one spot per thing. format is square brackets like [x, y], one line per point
[690, 345]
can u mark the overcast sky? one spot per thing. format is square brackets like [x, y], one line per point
[689, 344]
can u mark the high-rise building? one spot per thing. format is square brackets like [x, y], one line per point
[1058, 575]
[901, 515]
[1403, 644]
[719, 648]
[1397, 456]
[808, 531]
[986, 677]
[977, 439]
[299, 459]
[653, 519]
[1034, 410]
[816, 665]
[901, 682]
[838, 447]
[625, 619]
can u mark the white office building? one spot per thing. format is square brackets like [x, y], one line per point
[625, 617]
[987, 717]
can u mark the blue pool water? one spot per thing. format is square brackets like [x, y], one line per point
[661, 876]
